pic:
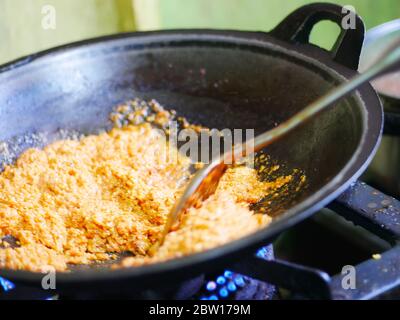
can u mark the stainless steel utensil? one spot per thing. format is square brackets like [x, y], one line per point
[205, 181]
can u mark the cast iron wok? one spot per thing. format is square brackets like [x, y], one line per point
[209, 77]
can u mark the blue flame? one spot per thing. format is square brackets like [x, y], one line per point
[239, 280]
[211, 285]
[228, 274]
[6, 285]
[221, 280]
[223, 292]
[231, 286]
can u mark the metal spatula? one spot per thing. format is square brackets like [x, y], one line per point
[205, 181]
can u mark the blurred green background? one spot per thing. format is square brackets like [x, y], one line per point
[21, 30]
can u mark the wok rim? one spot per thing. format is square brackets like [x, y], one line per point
[371, 134]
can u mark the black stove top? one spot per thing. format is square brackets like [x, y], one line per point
[347, 251]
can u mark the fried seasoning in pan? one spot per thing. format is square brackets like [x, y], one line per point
[88, 200]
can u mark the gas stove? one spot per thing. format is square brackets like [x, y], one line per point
[348, 250]
[358, 231]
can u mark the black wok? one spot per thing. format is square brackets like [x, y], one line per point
[209, 77]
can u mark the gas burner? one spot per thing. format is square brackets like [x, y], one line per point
[223, 285]
[234, 286]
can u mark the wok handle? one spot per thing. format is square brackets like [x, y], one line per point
[297, 27]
